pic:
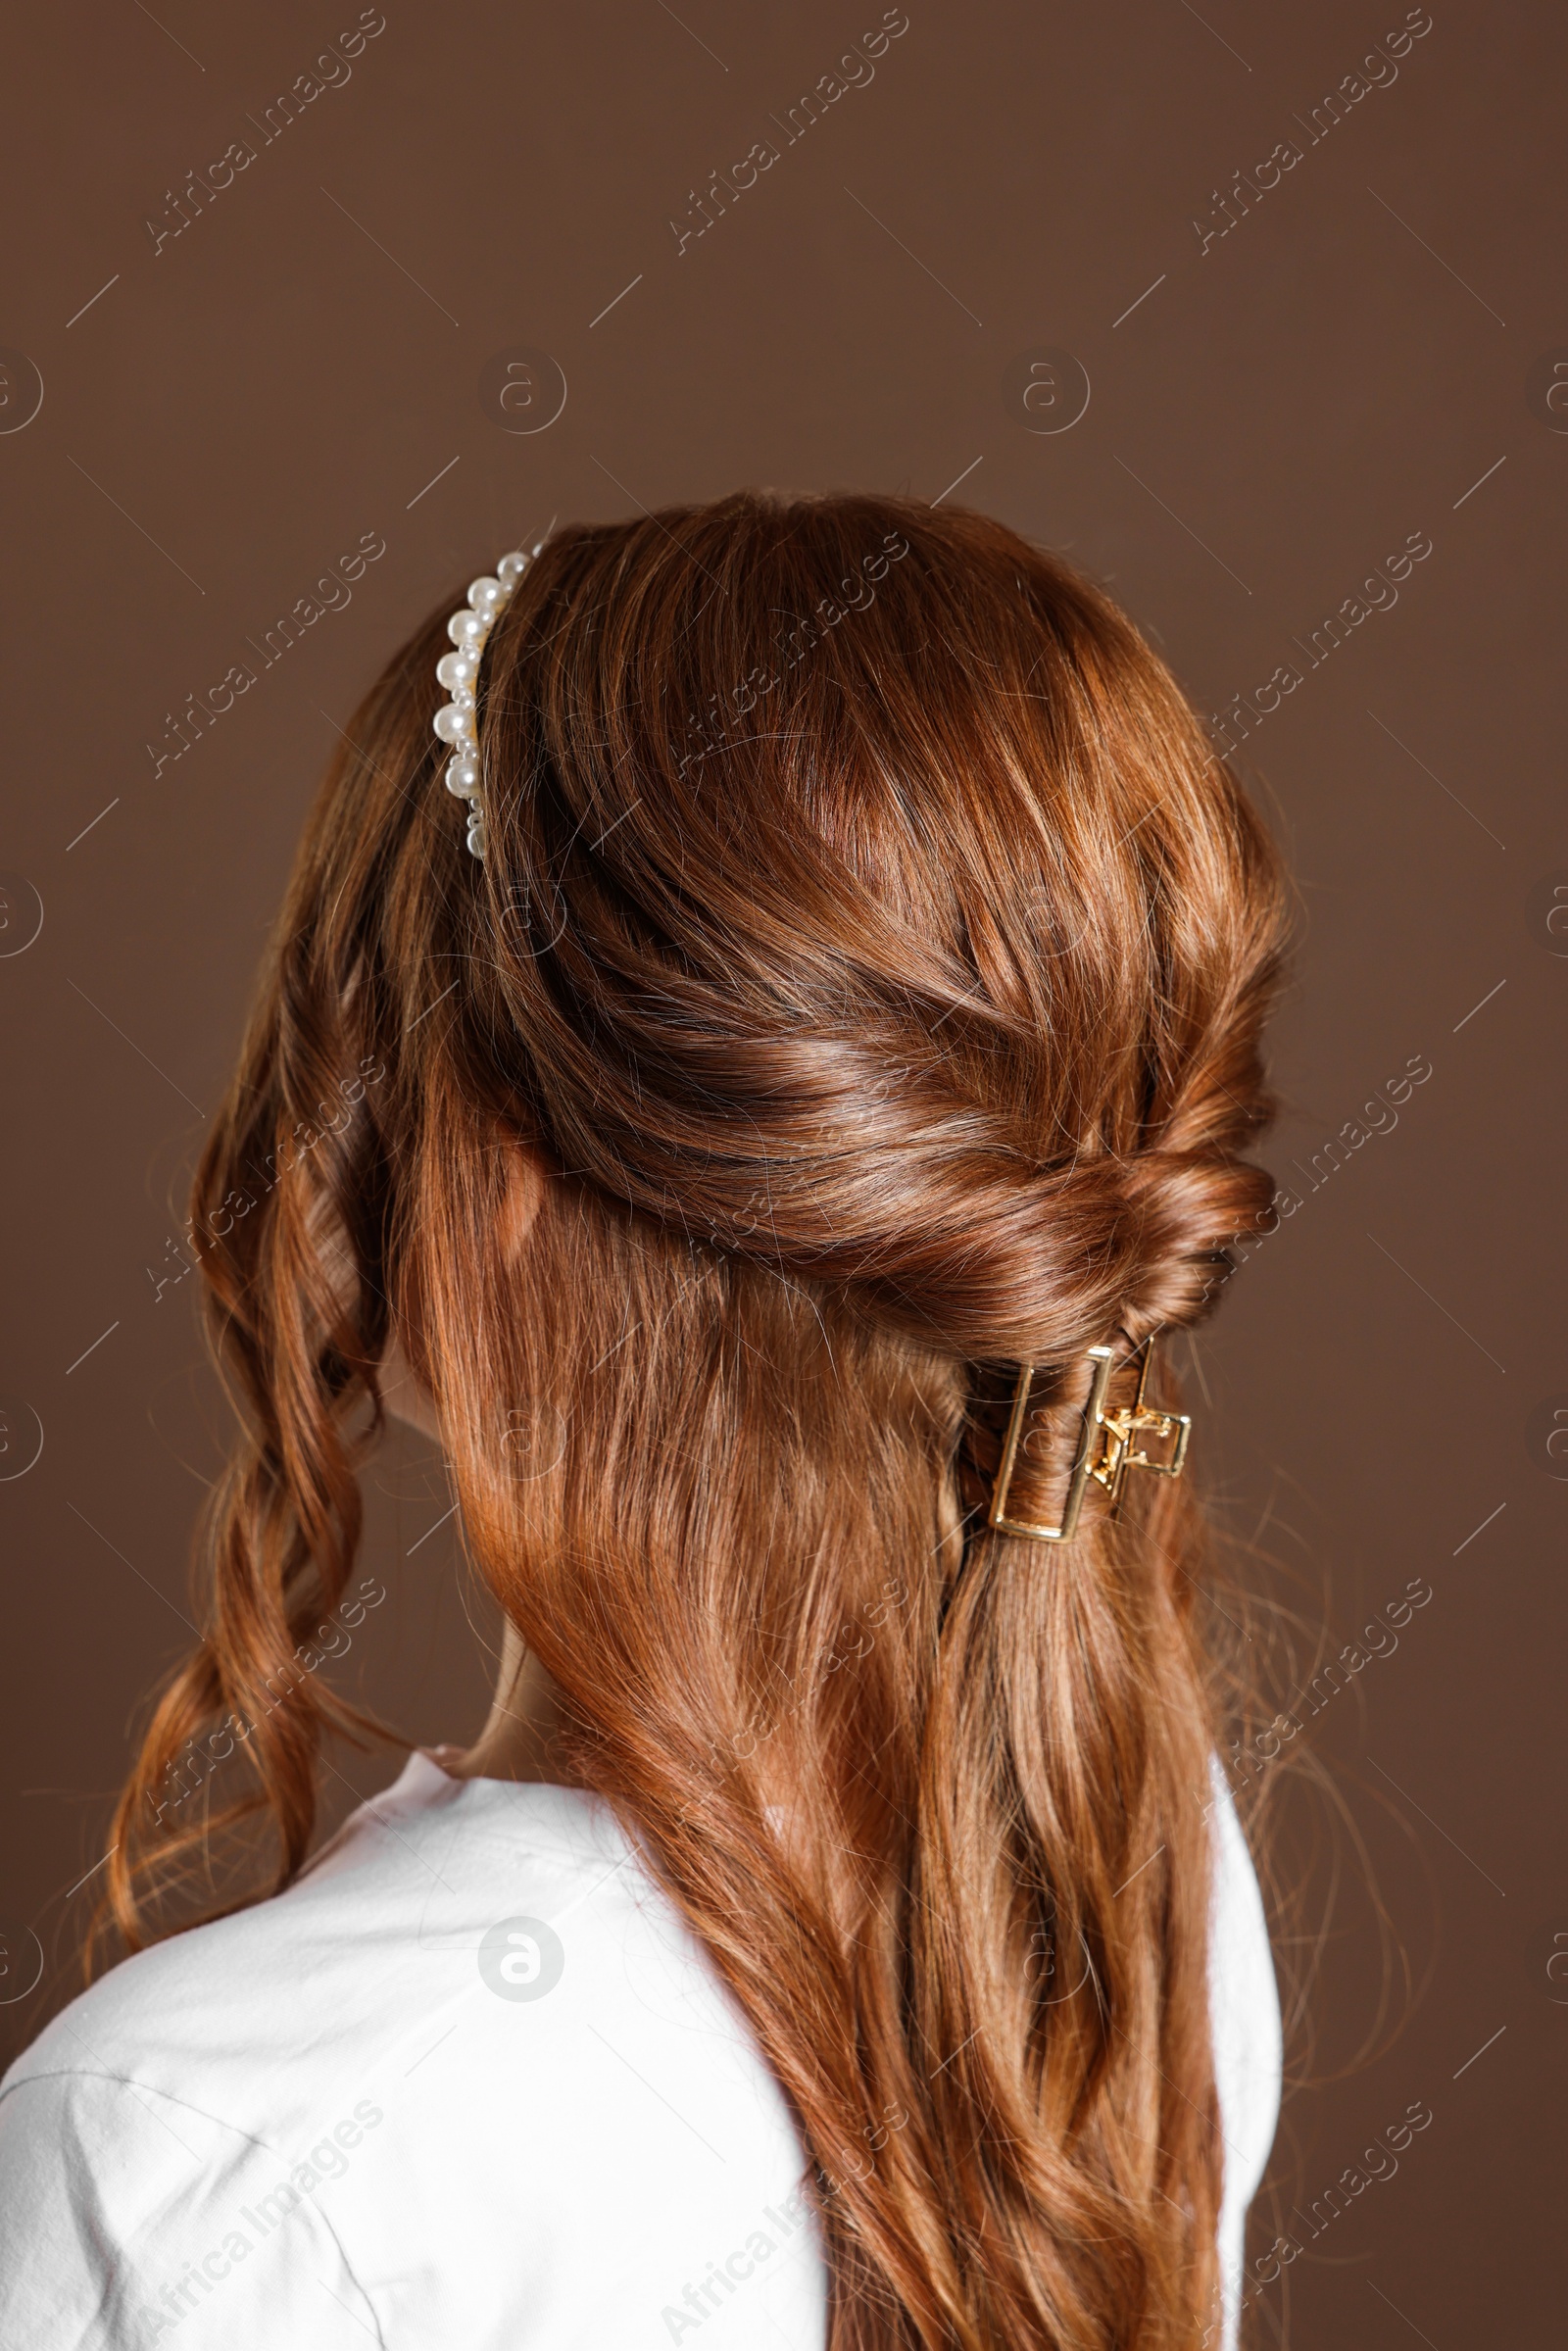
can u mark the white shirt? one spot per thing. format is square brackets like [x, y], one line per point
[469, 2083]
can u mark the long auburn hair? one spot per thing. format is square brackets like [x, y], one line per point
[874, 953]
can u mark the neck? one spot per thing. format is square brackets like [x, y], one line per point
[523, 1736]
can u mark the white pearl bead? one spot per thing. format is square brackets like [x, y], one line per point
[457, 721]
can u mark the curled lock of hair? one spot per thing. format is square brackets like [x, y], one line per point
[873, 955]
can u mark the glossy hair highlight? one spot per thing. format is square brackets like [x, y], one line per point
[874, 953]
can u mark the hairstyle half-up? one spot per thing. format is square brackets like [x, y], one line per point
[873, 954]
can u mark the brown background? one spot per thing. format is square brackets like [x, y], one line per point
[1273, 419]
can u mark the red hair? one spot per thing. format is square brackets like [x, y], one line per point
[874, 954]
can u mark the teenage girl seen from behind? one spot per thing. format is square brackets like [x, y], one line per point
[772, 1142]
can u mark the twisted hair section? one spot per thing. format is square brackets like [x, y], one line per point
[872, 956]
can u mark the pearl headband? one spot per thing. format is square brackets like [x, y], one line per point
[456, 722]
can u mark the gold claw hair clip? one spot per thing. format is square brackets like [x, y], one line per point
[1108, 1448]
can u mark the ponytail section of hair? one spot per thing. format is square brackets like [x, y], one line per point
[874, 956]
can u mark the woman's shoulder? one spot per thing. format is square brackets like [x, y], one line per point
[1246, 2032]
[387, 1906]
[473, 2008]
[1244, 1993]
